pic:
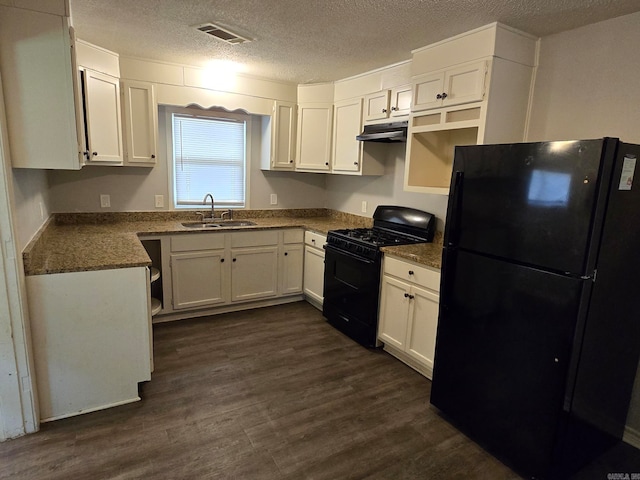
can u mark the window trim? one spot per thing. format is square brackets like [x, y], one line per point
[214, 113]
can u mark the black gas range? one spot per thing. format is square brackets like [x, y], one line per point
[352, 267]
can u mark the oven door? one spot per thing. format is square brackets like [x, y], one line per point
[351, 292]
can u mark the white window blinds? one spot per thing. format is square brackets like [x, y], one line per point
[209, 157]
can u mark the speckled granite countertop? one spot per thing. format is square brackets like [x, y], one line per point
[87, 241]
[429, 254]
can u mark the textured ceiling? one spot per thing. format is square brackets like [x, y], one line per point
[308, 41]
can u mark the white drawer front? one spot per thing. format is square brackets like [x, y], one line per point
[197, 241]
[411, 272]
[254, 238]
[314, 239]
[293, 236]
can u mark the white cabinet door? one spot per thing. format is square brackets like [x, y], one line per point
[314, 274]
[422, 326]
[314, 137]
[38, 84]
[394, 311]
[102, 115]
[376, 105]
[400, 101]
[455, 86]
[254, 273]
[198, 278]
[283, 136]
[347, 151]
[464, 84]
[427, 91]
[292, 265]
[140, 114]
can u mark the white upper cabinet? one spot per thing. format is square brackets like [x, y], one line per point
[314, 137]
[454, 86]
[140, 117]
[385, 104]
[283, 136]
[100, 131]
[351, 156]
[37, 80]
[427, 91]
[103, 128]
[376, 105]
[400, 101]
[347, 124]
[471, 89]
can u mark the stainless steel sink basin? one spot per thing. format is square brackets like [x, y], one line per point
[221, 223]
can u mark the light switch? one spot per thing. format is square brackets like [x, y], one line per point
[105, 201]
[364, 206]
[274, 199]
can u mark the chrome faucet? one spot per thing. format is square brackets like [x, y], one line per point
[204, 202]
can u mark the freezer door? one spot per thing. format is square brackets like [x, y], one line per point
[533, 203]
[503, 350]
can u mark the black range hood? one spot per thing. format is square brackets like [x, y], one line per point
[385, 132]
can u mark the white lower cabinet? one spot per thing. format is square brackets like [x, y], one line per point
[91, 335]
[199, 278]
[210, 270]
[314, 268]
[408, 317]
[291, 268]
[254, 273]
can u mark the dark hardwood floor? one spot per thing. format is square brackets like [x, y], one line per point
[274, 393]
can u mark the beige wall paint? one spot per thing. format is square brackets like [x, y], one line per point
[587, 83]
[346, 193]
[134, 188]
[587, 87]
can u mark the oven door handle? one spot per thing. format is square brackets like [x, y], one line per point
[338, 251]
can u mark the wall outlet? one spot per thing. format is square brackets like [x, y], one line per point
[105, 200]
[364, 206]
[159, 201]
[274, 199]
[41, 210]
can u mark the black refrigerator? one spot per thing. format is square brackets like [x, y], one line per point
[539, 325]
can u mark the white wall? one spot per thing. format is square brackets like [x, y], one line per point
[346, 193]
[31, 203]
[588, 86]
[134, 188]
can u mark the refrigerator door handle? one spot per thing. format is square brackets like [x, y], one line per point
[455, 204]
[591, 277]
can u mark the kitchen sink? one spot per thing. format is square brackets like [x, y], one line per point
[221, 223]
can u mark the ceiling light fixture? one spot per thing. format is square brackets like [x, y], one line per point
[222, 33]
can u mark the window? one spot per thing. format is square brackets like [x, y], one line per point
[209, 156]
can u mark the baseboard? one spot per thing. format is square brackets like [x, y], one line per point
[406, 359]
[313, 302]
[631, 436]
[184, 315]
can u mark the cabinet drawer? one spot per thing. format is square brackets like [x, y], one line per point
[199, 241]
[411, 272]
[293, 236]
[254, 238]
[314, 239]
